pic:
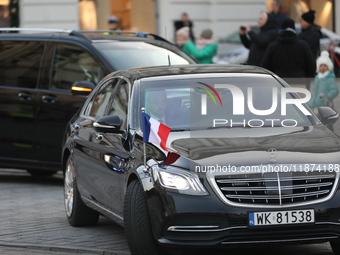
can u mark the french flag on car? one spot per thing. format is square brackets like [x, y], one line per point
[154, 131]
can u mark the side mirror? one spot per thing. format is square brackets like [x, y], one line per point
[108, 124]
[82, 88]
[328, 115]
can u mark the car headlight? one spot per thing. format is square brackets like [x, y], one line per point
[179, 181]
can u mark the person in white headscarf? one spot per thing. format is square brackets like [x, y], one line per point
[325, 87]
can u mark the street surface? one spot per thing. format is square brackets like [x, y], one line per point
[33, 218]
[33, 222]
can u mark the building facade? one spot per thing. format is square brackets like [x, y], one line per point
[158, 16]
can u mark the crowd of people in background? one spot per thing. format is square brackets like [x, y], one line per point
[277, 47]
[204, 49]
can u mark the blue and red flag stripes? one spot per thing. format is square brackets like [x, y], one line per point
[154, 131]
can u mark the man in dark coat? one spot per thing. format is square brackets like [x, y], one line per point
[289, 57]
[278, 12]
[310, 32]
[185, 22]
[258, 43]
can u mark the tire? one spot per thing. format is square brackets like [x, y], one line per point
[41, 172]
[335, 246]
[137, 222]
[77, 213]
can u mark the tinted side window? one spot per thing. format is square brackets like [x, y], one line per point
[71, 64]
[19, 63]
[119, 105]
[101, 100]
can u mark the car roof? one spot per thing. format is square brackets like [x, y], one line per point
[85, 35]
[171, 70]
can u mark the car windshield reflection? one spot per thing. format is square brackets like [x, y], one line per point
[197, 104]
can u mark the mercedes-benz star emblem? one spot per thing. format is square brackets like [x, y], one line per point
[272, 154]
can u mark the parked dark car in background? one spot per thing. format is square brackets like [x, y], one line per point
[39, 67]
[175, 201]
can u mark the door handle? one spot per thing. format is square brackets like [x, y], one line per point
[25, 96]
[49, 99]
[99, 137]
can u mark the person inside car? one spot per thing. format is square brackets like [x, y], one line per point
[156, 104]
[167, 111]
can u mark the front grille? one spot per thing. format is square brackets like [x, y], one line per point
[276, 188]
[231, 228]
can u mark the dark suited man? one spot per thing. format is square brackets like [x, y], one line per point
[289, 57]
[185, 22]
[310, 32]
[156, 105]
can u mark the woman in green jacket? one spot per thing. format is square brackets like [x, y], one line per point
[205, 49]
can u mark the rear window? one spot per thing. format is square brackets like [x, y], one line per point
[126, 55]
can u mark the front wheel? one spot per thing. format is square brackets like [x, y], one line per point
[78, 214]
[137, 222]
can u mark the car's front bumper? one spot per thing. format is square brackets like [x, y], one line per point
[187, 221]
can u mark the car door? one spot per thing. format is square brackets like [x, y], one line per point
[116, 158]
[64, 64]
[19, 71]
[97, 157]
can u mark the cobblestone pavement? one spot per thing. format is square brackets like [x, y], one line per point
[33, 221]
[32, 214]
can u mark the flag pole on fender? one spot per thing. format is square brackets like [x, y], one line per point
[145, 170]
[153, 132]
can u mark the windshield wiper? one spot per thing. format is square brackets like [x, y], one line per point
[180, 129]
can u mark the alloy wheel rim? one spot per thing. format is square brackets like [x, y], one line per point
[68, 190]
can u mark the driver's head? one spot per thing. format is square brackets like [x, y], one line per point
[157, 103]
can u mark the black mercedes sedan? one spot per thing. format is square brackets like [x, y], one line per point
[203, 156]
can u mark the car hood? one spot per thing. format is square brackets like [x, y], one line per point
[250, 146]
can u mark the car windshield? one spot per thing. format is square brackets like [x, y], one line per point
[195, 104]
[126, 55]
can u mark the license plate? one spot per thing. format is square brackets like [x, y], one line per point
[281, 217]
